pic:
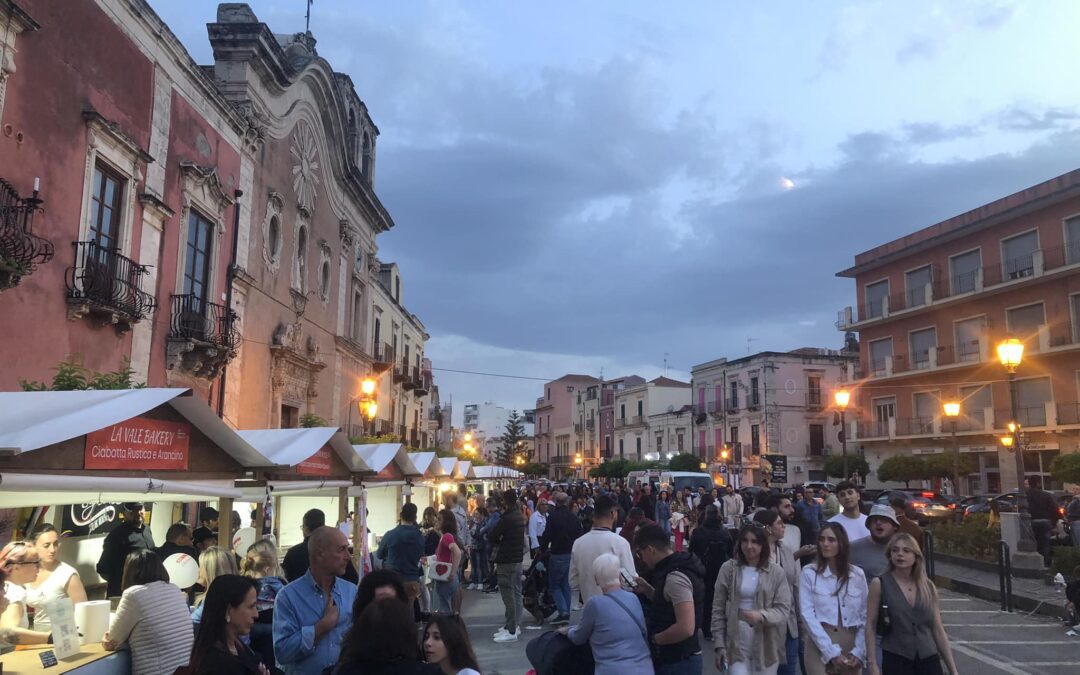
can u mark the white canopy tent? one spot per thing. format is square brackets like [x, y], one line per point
[381, 495]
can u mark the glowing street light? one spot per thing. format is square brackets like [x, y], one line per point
[367, 386]
[1010, 352]
[468, 436]
[1007, 441]
[369, 409]
[952, 409]
[842, 397]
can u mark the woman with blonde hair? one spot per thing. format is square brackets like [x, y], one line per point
[913, 639]
[261, 564]
[213, 562]
[19, 563]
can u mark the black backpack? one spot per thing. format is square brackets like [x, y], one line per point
[552, 653]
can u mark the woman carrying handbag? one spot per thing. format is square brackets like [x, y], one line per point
[443, 569]
[903, 609]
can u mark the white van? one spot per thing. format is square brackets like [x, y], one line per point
[636, 479]
[677, 480]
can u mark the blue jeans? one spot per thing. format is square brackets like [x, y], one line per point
[444, 595]
[791, 649]
[478, 564]
[559, 582]
[689, 666]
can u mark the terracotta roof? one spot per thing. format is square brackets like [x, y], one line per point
[668, 382]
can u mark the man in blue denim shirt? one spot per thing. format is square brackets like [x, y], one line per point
[313, 613]
[402, 548]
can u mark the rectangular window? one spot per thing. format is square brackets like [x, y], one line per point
[637, 445]
[876, 294]
[290, 417]
[357, 315]
[884, 410]
[377, 347]
[197, 260]
[1032, 396]
[734, 435]
[925, 407]
[1074, 304]
[974, 401]
[620, 447]
[817, 440]
[640, 408]
[679, 440]
[880, 351]
[922, 343]
[659, 443]
[813, 391]
[106, 208]
[1024, 322]
[622, 411]
[1017, 254]
[963, 270]
[755, 399]
[755, 439]
[916, 282]
[969, 336]
[733, 401]
[1072, 240]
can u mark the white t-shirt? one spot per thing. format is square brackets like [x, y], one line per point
[855, 527]
[17, 594]
[52, 587]
[468, 671]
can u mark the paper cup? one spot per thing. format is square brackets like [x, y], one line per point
[183, 570]
[243, 538]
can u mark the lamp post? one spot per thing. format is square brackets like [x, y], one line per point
[952, 411]
[1011, 353]
[366, 403]
[725, 455]
[577, 462]
[842, 397]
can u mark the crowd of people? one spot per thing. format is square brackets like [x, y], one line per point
[790, 584]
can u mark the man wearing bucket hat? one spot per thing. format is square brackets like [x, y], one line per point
[871, 553]
[129, 536]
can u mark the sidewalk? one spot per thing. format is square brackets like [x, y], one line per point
[1029, 595]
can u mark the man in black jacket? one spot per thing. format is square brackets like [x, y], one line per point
[129, 536]
[177, 540]
[508, 538]
[298, 558]
[672, 597]
[1044, 515]
[563, 527]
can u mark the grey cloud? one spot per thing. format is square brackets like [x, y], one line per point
[920, 46]
[1019, 118]
[927, 133]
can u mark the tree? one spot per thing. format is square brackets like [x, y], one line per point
[533, 469]
[950, 464]
[834, 466]
[72, 375]
[310, 420]
[375, 440]
[904, 469]
[1066, 468]
[513, 442]
[685, 462]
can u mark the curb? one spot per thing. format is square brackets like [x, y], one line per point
[1020, 602]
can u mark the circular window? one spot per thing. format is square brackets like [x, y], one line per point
[273, 237]
[324, 280]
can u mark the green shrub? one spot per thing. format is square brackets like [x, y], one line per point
[1065, 560]
[973, 539]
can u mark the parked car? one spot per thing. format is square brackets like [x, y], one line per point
[1007, 502]
[818, 485]
[975, 504]
[927, 506]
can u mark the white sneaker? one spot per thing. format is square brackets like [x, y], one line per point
[502, 631]
[509, 637]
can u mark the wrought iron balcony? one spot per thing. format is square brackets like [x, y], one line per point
[108, 286]
[203, 337]
[21, 251]
[383, 354]
[401, 373]
[423, 382]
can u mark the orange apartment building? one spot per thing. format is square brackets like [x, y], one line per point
[933, 305]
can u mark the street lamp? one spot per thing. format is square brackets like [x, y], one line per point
[1011, 353]
[366, 403]
[952, 411]
[842, 397]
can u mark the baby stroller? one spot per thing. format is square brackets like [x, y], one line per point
[535, 594]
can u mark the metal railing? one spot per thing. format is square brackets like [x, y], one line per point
[105, 278]
[384, 353]
[1027, 416]
[813, 398]
[914, 426]
[21, 251]
[1004, 565]
[194, 318]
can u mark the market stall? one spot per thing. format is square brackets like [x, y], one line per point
[380, 497]
[425, 490]
[314, 468]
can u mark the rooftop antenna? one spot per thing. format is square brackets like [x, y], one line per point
[748, 341]
[307, 17]
[666, 355]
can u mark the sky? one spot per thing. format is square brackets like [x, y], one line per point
[625, 186]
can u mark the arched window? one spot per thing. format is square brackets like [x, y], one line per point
[300, 264]
[366, 163]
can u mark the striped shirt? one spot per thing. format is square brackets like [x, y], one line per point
[154, 622]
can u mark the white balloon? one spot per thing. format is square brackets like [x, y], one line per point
[243, 538]
[183, 569]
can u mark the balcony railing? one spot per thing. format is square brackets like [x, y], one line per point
[194, 318]
[578, 427]
[915, 426]
[384, 353]
[1068, 413]
[753, 403]
[414, 439]
[637, 421]
[1027, 416]
[813, 399]
[872, 429]
[107, 282]
[21, 251]
[813, 450]
[732, 405]
[590, 425]
[402, 375]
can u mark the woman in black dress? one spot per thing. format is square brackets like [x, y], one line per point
[230, 611]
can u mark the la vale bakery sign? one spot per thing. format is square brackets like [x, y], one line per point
[139, 444]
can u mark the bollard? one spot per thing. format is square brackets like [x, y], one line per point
[1005, 576]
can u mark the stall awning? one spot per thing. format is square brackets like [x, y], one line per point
[449, 467]
[30, 420]
[19, 490]
[290, 447]
[380, 456]
[427, 464]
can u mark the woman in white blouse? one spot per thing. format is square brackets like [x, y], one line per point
[19, 563]
[832, 602]
[55, 579]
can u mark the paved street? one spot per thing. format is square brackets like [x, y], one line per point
[985, 639]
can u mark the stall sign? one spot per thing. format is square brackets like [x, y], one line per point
[84, 519]
[316, 465]
[139, 444]
[778, 466]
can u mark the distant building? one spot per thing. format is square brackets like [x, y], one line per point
[662, 402]
[555, 415]
[769, 403]
[932, 307]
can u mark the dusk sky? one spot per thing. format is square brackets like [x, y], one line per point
[592, 186]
